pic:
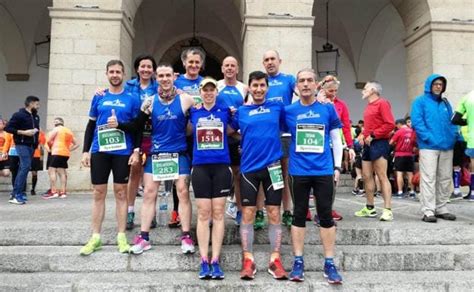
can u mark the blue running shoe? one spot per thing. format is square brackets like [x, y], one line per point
[205, 271]
[216, 272]
[297, 273]
[331, 274]
[17, 200]
[238, 218]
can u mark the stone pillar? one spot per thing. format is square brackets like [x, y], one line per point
[83, 39]
[285, 26]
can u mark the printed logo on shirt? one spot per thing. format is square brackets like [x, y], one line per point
[276, 98]
[275, 82]
[259, 110]
[167, 116]
[116, 103]
[230, 91]
[191, 89]
[209, 118]
[307, 115]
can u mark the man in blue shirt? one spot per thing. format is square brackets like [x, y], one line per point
[281, 87]
[260, 124]
[314, 128]
[231, 95]
[106, 149]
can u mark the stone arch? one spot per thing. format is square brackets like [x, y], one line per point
[414, 13]
[12, 45]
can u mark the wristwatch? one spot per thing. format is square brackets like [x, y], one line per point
[338, 169]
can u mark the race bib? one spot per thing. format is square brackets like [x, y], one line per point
[165, 166]
[197, 99]
[210, 135]
[111, 139]
[276, 175]
[12, 152]
[310, 138]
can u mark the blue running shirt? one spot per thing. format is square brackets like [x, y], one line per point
[260, 127]
[190, 87]
[230, 96]
[281, 88]
[210, 135]
[168, 126]
[126, 107]
[310, 151]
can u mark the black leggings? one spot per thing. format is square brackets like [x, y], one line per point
[323, 188]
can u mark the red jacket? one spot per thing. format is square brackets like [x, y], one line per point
[343, 113]
[378, 119]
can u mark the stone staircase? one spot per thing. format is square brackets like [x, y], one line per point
[40, 242]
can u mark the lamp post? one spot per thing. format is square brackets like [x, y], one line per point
[327, 60]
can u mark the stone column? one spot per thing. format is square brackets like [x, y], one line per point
[83, 39]
[285, 26]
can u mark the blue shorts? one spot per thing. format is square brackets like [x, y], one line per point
[378, 148]
[469, 152]
[183, 160]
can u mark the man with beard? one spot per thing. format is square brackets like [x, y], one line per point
[24, 125]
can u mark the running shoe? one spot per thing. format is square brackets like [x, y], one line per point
[259, 220]
[216, 271]
[276, 269]
[17, 200]
[33, 192]
[456, 196]
[140, 245]
[62, 195]
[204, 271]
[398, 195]
[238, 218]
[50, 195]
[174, 222]
[232, 210]
[130, 220]
[24, 197]
[297, 273]
[308, 215]
[248, 269]
[187, 244]
[355, 192]
[287, 218]
[387, 215]
[336, 216]
[378, 194]
[92, 245]
[365, 212]
[122, 243]
[331, 274]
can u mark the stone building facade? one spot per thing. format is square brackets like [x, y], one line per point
[399, 42]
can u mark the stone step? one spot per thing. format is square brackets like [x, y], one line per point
[170, 258]
[366, 232]
[441, 281]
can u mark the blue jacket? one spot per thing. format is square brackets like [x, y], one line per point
[431, 119]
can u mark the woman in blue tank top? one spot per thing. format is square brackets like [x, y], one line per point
[211, 174]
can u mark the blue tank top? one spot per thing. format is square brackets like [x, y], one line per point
[168, 126]
[210, 135]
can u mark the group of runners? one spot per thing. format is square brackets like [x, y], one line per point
[212, 134]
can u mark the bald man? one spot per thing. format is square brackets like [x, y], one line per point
[232, 94]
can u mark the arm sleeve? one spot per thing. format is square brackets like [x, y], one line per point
[458, 120]
[389, 121]
[133, 125]
[336, 146]
[89, 135]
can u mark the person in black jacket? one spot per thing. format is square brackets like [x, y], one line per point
[24, 125]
